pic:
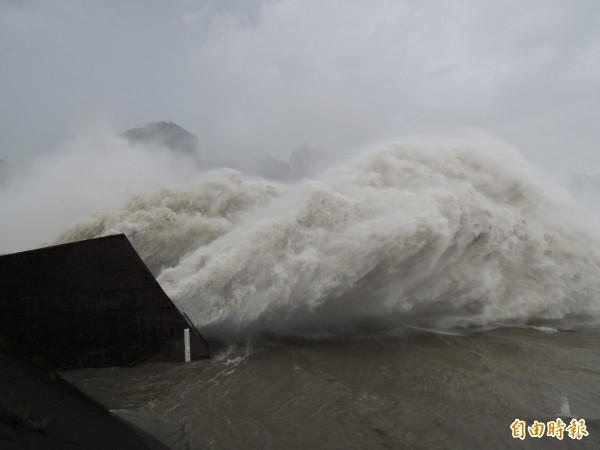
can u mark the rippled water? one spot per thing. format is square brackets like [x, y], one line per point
[417, 391]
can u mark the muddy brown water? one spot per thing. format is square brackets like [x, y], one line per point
[417, 391]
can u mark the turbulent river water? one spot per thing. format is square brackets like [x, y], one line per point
[418, 391]
[408, 299]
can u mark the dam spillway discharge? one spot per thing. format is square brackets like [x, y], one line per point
[91, 303]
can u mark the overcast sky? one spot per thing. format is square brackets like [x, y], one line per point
[267, 76]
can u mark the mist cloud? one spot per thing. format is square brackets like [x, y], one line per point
[264, 76]
[256, 78]
[95, 171]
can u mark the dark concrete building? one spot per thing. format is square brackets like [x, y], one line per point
[91, 303]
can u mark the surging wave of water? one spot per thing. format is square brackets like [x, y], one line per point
[434, 236]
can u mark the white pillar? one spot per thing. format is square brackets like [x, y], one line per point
[186, 343]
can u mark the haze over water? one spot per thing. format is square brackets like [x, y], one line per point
[431, 283]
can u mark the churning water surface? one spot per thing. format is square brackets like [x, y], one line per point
[320, 280]
[418, 391]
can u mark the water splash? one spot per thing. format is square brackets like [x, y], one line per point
[436, 235]
[565, 409]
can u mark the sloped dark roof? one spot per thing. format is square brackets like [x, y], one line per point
[90, 303]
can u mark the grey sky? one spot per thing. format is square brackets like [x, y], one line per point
[266, 76]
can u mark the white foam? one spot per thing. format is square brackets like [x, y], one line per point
[437, 235]
[565, 409]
